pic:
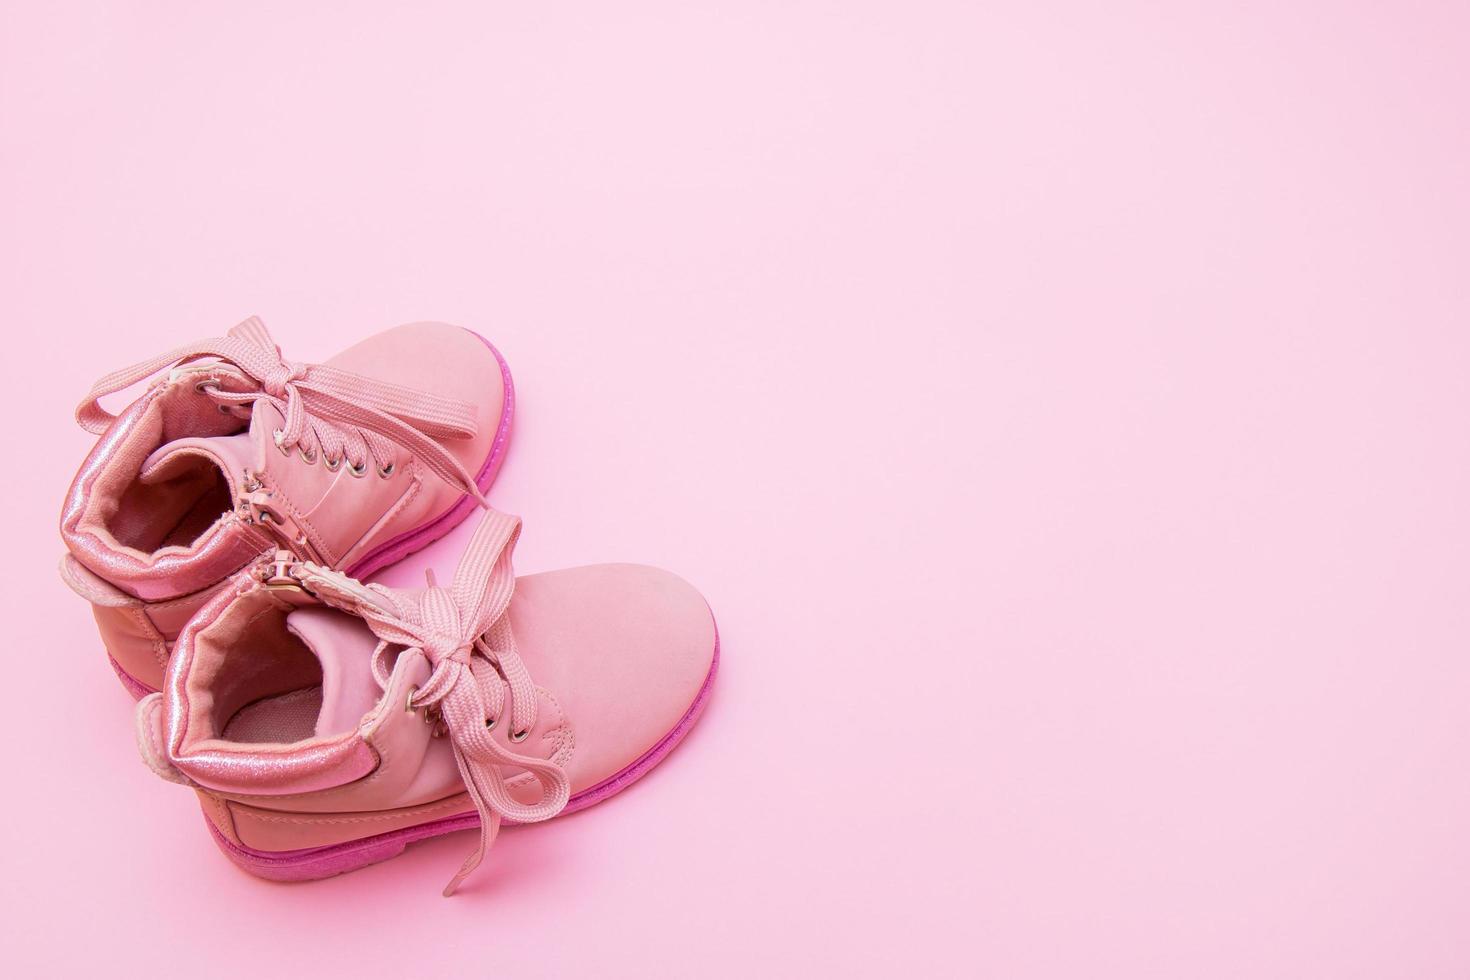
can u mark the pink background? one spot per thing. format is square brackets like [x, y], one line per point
[1063, 407]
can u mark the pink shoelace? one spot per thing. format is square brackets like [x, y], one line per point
[465, 634]
[342, 415]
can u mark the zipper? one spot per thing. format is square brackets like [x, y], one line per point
[286, 570]
[275, 573]
[254, 508]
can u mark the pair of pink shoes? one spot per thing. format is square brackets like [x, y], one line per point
[220, 528]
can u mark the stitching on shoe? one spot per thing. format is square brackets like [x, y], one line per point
[225, 814]
[313, 535]
[160, 647]
[415, 484]
[360, 818]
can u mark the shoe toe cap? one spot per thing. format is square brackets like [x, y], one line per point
[449, 361]
[627, 651]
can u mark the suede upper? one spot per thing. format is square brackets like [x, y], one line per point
[618, 652]
[618, 655]
[192, 481]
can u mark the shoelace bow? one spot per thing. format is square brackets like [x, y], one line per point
[340, 414]
[465, 634]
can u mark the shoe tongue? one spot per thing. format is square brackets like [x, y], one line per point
[233, 454]
[344, 646]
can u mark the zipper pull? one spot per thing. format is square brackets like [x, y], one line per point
[254, 508]
[275, 572]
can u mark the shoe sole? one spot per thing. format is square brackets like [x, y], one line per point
[325, 862]
[414, 539]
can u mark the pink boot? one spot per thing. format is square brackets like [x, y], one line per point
[325, 724]
[235, 452]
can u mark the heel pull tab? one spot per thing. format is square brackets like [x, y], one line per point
[151, 739]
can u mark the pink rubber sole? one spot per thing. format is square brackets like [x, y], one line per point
[325, 862]
[415, 539]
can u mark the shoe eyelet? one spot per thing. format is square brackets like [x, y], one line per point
[519, 736]
[205, 387]
[332, 465]
[489, 724]
[408, 701]
[358, 472]
[386, 471]
[279, 437]
[309, 460]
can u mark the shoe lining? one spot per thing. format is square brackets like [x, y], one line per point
[289, 717]
[174, 512]
[255, 681]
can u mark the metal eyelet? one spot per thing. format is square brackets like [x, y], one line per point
[519, 736]
[205, 387]
[333, 465]
[225, 408]
[386, 471]
[358, 472]
[408, 702]
[279, 437]
[308, 460]
[489, 724]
